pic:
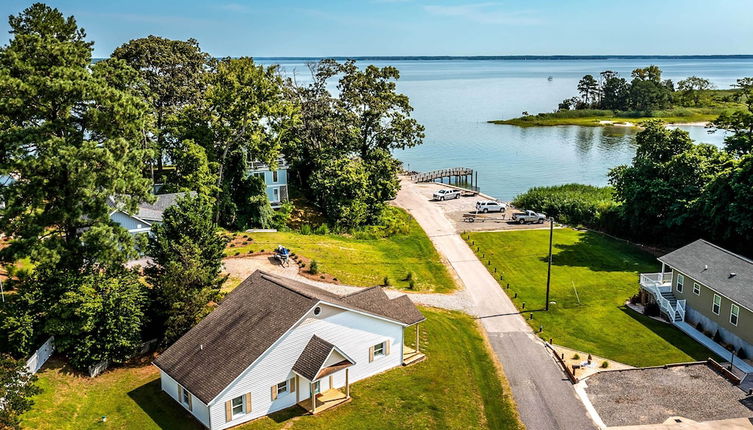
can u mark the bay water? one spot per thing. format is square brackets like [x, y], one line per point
[454, 99]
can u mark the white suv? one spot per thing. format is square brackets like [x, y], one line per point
[490, 206]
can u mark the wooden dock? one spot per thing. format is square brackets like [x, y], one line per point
[456, 175]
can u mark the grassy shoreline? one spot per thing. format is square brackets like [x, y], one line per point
[601, 118]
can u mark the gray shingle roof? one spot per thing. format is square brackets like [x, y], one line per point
[713, 266]
[313, 357]
[250, 320]
[154, 211]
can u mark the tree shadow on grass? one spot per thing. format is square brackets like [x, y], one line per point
[161, 408]
[672, 335]
[600, 254]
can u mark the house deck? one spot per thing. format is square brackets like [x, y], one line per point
[326, 400]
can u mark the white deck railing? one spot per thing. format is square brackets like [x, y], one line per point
[662, 280]
[658, 283]
[681, 309]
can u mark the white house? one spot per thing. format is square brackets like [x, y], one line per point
[274, 342]
[276, 180]
[147, 215]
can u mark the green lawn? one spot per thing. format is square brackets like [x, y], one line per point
[605, 273]
[594, 117]
[455, 388]
[364, 261]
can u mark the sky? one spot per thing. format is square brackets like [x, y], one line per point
[318, 28]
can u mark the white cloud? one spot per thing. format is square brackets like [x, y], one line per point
[486, 13]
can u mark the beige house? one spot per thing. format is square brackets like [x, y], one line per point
[705, 289]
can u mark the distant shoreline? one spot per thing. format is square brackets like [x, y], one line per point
[500, 57]
[515, 57]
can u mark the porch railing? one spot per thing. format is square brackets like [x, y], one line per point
[681, 309]
[664, 304]
[662, 280]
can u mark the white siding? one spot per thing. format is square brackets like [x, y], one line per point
[129, 223]
[353, 333]
[198, 409]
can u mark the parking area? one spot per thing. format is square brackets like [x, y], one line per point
[654, 395]
[455, 208]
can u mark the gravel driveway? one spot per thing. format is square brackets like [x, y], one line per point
[651, 396]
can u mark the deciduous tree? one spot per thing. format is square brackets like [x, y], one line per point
[17, 387]
[173, 74]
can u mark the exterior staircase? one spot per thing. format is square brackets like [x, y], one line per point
[673, 301]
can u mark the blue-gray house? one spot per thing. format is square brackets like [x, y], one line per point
[148, 214]
[275, 180]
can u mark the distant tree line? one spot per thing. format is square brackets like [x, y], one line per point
[645, 92]
[80, 138]
[675, 190]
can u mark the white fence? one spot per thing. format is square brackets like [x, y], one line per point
[40, 356]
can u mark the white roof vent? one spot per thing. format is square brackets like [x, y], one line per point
[732, 274]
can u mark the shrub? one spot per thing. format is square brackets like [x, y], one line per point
[237, 253]
[699, 326]
[574, 204]
[409, 276]
[742, 354]
[576, 356]
[386, 281]
[604, 364]
[412, 284]
[651, 309]
[717, 337]
[314, 267]
[305, 229]
[322, 230]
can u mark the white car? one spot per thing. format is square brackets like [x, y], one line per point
[446, 194]
[490, 206]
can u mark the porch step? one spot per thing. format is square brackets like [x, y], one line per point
[413, 358]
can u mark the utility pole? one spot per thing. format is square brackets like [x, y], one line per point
[549, 268]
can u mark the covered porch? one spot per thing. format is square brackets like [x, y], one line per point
[412, 353]
[328, 399]
[323, 372]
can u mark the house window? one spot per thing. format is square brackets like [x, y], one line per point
[717, 306]
[276, 192]
[734, 314]
[186, 397]
[238, 406]
[379, 349]
[680, 282]
[282, 387]
[317, 387]
[274, 176]
[696, 289]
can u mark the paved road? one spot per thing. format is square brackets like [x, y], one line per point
[545, 398]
